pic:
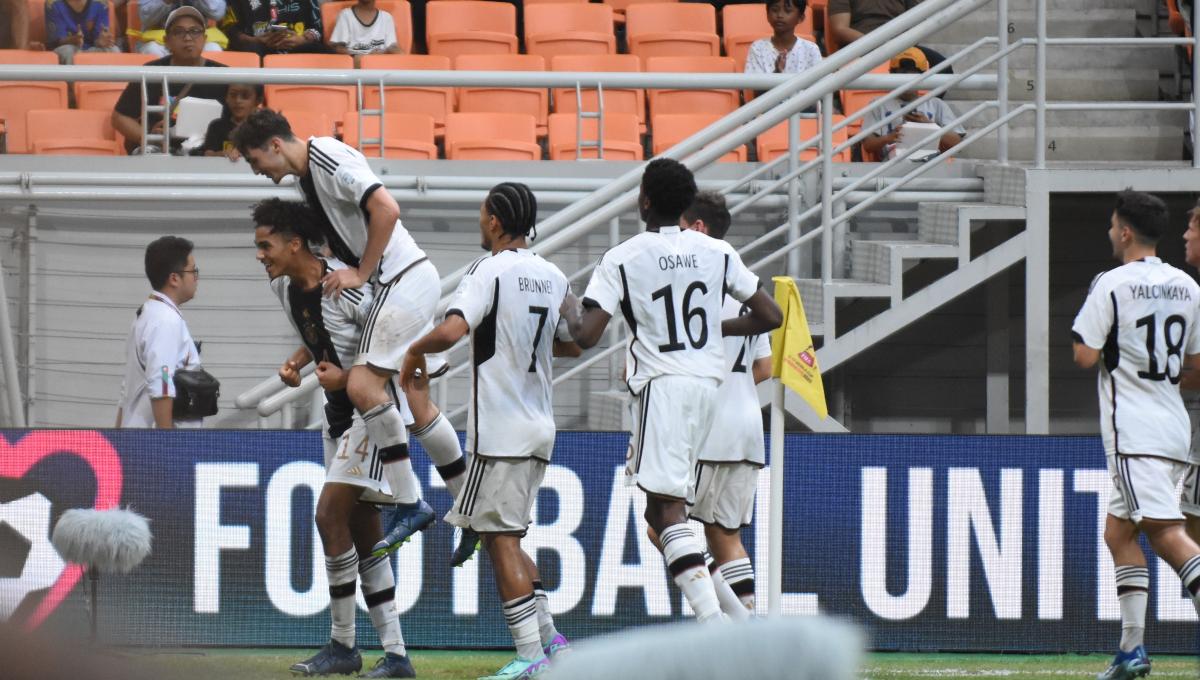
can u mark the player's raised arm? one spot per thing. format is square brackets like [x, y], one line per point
[764, 316]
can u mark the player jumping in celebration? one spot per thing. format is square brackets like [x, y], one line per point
[669, 285]
[360, 222]
[508, 301]
[1139, 324]
[732, 454]
[330, 329]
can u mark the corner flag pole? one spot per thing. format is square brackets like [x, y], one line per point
[775, 523]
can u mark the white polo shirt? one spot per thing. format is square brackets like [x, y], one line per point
[158, 345]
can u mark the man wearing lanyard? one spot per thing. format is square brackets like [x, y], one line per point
[159, 343]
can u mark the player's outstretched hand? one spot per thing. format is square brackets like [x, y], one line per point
[342, 279]
[413, 375]
[289, 373]
[331, 377]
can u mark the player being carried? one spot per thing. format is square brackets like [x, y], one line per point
[509, 303]
[669, 285]
[360, 222]
[1139, 324]
[330, 329]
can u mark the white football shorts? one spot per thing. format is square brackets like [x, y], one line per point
[1145, 487]
[1189, 497]
[402, 312]
[498, 496]
[674, 413]
[353, 460]
[725, 494]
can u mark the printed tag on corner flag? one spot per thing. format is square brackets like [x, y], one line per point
[793, 357]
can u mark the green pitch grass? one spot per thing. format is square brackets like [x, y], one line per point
[272, 664]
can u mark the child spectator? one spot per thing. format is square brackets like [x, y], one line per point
[153, 14]
[783, 52]
[364, 29]
[274, 27]
[240, 101]
[78, 26]
[882, 142]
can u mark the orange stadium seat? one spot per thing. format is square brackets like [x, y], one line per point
[71, 131]
[234, 59]
[29, 57]
[336, 101]
[534, 101]
[615, 100]
[619, 7]
[406, 136]
[432, 101]
[470, 27]
[559, 28]
[743, 24]
[19, 97]
[556, 2]
[688, 101]
[672, 29]
[37, 20]
[306, 123]
[854, 101]
[103, 96]
[492, 137]
[669, 129]
[400, 10]
[622, 139]
[774, 142]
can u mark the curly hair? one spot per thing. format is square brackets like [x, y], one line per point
[515, 206]
[670, 188]
[289, 219]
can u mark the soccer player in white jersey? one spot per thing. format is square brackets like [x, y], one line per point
[1189, 502]
[330, 330]
[509, 303]
[159, 342]
[732, 454]
[669, 285]
[1139, 324]
[360, 222]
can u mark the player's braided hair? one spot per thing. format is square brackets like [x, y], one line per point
[289, 219]
[670, 188]
[514, 205]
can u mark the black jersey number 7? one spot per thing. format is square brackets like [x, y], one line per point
[542, 313]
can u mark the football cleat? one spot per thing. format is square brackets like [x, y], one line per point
[468, 543]
[520, 669]
[401, 521]
[1126, 665]
[391, 666]
[333, 659]
[559, 645]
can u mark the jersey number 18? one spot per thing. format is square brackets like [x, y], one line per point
[1173, 332]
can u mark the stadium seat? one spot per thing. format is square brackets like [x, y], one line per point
[19, 97]
[534, 101]
[672, 29]
[743, 24]
[622, 139]
[558, 2]
[336, 101]
[71, 131]
[29, 57]
[470, 27]
[234, 59]
[619, 7]
[854, 101]
[669, 129]
[688, 101]
[37, 20]
[560, 28]
[103, 96]
[492, 137]
[400, 10]
[615, 100]
[774, 142]
[432, 101]
[407, 136]
[307, 123]
[133, 24]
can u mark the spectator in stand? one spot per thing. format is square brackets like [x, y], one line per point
[241, 100]
[185, 40]
[153, 14]
[783, 52]
[850, 20]
[882, 142]
[78, 26]
[364, 29]
[274, 27]
[14, 26]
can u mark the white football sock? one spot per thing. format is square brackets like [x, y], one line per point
[342, 571]
[685, 560]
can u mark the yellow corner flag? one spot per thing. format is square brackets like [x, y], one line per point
[793, 357]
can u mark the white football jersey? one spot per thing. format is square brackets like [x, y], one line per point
[669, 285]
[159, 344]
[737, 427]
[1142, 316]
[510, 301]
[337, 186]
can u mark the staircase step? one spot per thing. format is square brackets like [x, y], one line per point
[1096, 143]
[1092, 118]
[1002, 184]
[1095, 23]
[1066, 58]
[937, 222]
[1078, 84]
[816, 296]
[880, 261]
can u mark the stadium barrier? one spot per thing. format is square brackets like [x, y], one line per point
[928, 542]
